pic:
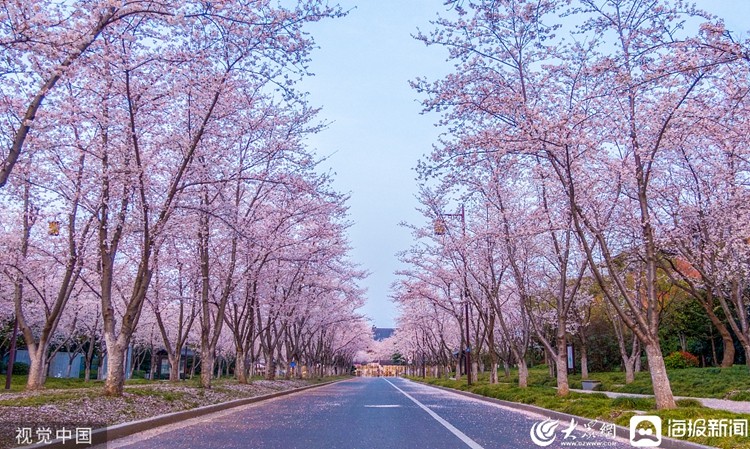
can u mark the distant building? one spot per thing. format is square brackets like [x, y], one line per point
[376, 369]
[381, 333]
[63, 364]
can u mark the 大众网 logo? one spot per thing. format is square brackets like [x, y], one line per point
[543, 432]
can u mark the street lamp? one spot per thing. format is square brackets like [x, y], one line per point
[440, 227]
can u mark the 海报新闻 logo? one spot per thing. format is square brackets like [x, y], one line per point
[645, 431]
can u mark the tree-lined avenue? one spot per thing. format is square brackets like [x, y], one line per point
[364, 413]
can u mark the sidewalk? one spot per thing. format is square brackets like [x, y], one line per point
[719, 404]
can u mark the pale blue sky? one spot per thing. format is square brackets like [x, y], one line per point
[377, 134]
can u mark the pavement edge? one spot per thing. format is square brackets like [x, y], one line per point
[107, 434]
[621, 432]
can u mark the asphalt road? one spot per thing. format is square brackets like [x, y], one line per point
[367, 413]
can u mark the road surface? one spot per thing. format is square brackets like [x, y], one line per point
[369, 413]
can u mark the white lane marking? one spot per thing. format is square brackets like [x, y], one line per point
[383, 406]
[461, 436]
[528, 414]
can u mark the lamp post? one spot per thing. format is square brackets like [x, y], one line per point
[440, 228]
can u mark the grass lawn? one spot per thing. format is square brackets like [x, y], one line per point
[697, 382]
[18, 382]
[728, 383]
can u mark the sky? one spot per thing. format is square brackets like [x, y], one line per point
[377, 133]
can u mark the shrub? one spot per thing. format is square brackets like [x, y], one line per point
[681, 359]
[20, 368]
[739, 396]
[685, 403]
[633, 403]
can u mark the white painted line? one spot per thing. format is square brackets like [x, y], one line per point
[383, 406]
[462, 436]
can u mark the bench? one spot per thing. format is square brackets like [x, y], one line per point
[591, 385]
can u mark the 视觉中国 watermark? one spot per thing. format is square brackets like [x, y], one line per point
[69, 434]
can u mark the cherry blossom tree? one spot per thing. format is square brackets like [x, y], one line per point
[208, 99]
[706, 244]
[139, 96]
[47, 261]
[428, 324]
[173, 302]
[600, 112]
[47, 42]
[434, 286]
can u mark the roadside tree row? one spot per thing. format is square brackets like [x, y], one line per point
[154, 169]
[601, 162]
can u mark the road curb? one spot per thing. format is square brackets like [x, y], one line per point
[107, 434]
[621, 432]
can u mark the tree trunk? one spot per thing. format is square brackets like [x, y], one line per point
[726, 338]
[583, 349]
[659, 379]
[87, 370]
[90, 352]
[100, 370]
[714, 357]
[152, 365]
[240, 367]
[551, 364]
[133, 363]
[629, 364]
[563, 388]
[683, 341]
[116, 352]
[491, 349]
[70, 365]
[118, 342]
[207, 367]
[174, 367]
[37, 369]
[270, 373]
[584, 362]
[727, 359]
[523, 374]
